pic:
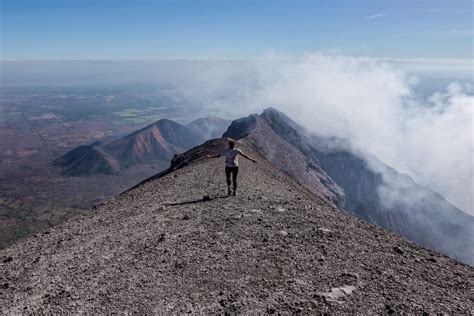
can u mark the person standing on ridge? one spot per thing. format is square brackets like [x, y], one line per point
[231, 155]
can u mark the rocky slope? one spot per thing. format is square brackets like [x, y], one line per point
[359, 183]
[275, 247]
[157, 142]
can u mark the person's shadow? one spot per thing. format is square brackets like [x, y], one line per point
[205, 198]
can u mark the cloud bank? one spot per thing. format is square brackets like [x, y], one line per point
[375, 106]
[373, 103]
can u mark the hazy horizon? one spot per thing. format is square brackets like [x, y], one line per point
[416, 108]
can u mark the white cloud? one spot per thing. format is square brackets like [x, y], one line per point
[374, 105]
[378, 15]
[371, 102]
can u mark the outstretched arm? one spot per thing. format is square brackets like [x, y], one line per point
[213, 156]
[248, 157]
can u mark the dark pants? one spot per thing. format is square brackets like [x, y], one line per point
[231, 171]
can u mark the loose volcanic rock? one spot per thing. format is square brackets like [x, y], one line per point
[162, 248]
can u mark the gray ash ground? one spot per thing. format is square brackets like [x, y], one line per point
[272, 248]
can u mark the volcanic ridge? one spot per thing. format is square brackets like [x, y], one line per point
[292, 240]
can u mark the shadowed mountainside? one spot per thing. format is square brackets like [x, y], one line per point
[275, 247]
[359, 183]
[88, 160]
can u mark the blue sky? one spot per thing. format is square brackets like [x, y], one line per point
[119, 29]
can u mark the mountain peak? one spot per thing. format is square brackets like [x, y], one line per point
[271, 110]
[273, 114]
[161, 123]
[240, 128]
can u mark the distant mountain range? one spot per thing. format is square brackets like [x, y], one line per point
[156, 142]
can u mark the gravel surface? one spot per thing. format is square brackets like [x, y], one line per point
[274, 247]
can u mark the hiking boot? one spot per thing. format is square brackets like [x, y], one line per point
[228, 191]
